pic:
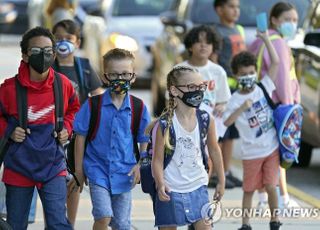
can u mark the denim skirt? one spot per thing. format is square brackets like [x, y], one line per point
[182, 209]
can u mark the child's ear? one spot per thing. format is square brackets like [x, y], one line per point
[173, 91]
[133, 79]
[78, 43]
[25, 58]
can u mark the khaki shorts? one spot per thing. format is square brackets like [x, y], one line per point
[260, 172]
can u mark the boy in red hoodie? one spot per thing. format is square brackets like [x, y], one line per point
[35, 157]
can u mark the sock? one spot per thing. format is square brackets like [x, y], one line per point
[263, 197]
[285, 198]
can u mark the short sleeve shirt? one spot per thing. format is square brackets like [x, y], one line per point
[255, 125]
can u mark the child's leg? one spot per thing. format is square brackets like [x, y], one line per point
[168, 228]
[246, 206]
[273, 201]
[101, 224]
[72, 206]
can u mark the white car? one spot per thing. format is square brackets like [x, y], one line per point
[129, 24]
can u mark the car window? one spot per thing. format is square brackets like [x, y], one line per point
[204, 12]
[140, 7]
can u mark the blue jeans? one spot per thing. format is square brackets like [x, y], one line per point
[53, 197]
[116, 206]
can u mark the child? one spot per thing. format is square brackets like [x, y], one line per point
[182, 185]
[252, 115]
[108, 160]
[233, 42]
[84, 80]
[283, 15]
[200, 42]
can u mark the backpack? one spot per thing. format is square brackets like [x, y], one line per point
[288, 124]
[21, 93]
[146, 178]
[136, 105]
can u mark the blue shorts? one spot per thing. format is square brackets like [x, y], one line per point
[182, 209]
[116, 206]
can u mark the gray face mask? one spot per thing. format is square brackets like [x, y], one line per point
[247, 82]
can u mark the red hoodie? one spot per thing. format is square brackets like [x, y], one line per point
[41, 116]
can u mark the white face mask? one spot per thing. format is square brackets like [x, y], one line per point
[288, 30]
[247, 82]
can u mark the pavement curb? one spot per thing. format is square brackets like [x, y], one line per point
[305, 197]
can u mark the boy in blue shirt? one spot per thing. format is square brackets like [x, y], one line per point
[108, 161]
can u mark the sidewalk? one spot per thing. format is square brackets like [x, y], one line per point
[142, 215]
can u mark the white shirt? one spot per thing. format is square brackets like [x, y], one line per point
[218, 90]
[255, 125]
[186, 172]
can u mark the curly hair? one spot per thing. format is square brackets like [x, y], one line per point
[35, 32]
[192, 37]
[243, 59]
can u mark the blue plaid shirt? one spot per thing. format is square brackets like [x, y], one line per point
[109, 157]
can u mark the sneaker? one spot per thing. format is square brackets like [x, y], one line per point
[213, 182]
[275, 225]
[291, 204]
[245, 227]
[234, 180]
[229, 184]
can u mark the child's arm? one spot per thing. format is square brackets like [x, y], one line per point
[216, 157]
[234, 116]
[157, 167]
[274, 58]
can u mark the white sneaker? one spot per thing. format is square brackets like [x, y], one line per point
[262, 205]
[291, 204]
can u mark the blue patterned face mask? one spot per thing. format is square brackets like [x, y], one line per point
[64, 48]
[247, 82]
[288, 30]
[119, 86]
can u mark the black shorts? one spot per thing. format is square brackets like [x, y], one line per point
[231, 133]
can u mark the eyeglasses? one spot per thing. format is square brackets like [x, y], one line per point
[116, 76]
[194, 87]
[38, 50]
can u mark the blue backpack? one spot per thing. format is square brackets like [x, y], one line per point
[288, 124]
[147, 180]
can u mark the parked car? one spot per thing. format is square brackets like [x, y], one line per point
[31, 13]
[133, 25]
[169, 49]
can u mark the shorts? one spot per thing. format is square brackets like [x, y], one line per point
[182, 209]
[116, 206]
[260, 172]
[230, 134]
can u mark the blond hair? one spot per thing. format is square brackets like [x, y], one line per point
[66, 4]
[172, 80]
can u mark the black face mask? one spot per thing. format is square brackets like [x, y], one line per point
[41, 62]
[192, 99]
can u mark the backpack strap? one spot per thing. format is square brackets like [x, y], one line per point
[22, 104]
[79, 65]
[58, 102]
[266, 95]
[204, 122]
[95, 103]
[136, 114]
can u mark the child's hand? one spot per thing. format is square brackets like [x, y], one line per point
[135, 171]
[246, 105]
[263, 35]
[62, 136]
[219, 109]
[162, 193]
[72, 184]
[19, 134]
[219, 192]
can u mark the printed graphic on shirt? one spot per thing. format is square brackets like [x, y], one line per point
[188, 152]
[260, 117]
[237, 44]
[41, 114]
